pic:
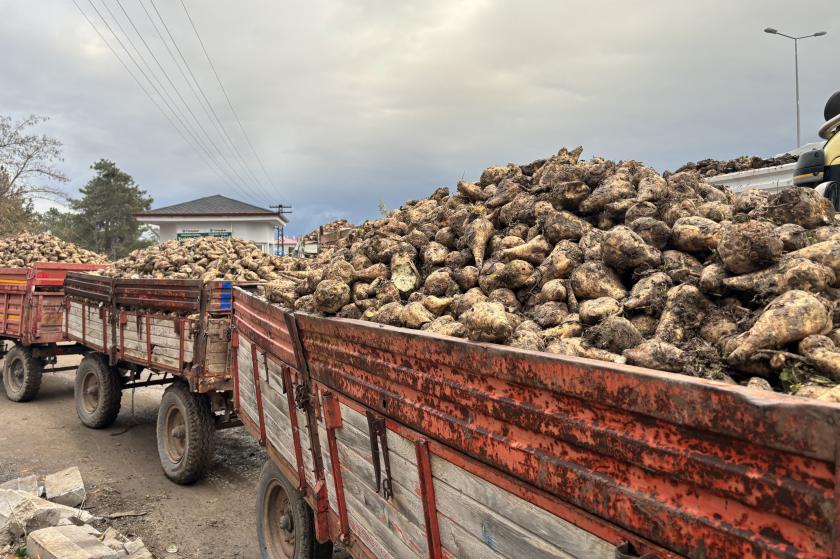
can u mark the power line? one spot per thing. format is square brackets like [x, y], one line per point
[142, 87]
[197, 89]
[227, 97]
[165, 98]
[177, 91]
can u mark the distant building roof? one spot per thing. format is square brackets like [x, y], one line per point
[209, 206]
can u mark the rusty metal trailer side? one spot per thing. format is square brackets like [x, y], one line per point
[32, 317]
[179, 327]
[639, 459]
[32, 302]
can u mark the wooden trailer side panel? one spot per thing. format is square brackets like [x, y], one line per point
[86, 324]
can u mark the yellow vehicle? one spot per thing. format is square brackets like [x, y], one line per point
[820, 168]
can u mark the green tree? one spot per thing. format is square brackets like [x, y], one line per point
[64, 225]
[104, 220]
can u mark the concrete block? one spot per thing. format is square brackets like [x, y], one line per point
[66, 487]
[136, 549]
[69, 542]
[113, 539]
[25, 483]
[22, 513]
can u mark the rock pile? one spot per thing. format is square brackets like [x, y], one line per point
[605, 260]
[53, 527]
[26, 249]
[713, 167]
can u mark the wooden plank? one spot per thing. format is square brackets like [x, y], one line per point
[404, 499]
[280, 430]
[385, 514]
[517, 511]
[399, 445]
[328, 477]
[403, 471]
[457, 542]
[388, 543]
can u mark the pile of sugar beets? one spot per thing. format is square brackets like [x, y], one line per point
[25, 249]
[604, 260]
[205, 258]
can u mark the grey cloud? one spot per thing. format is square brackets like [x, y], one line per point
[352, 102]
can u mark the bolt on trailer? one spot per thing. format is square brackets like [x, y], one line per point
[32, 321]
[177, 332]
[401, 443]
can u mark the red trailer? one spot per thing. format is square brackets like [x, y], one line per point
[32, 319]
[178, 331]
[400, 443]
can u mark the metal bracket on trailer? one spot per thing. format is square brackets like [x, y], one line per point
[379, 437]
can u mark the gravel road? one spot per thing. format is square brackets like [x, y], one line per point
[213, 518]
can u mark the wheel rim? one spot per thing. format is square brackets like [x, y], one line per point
[175, 428]
[279, 522]
[91, 392]
[16, 375]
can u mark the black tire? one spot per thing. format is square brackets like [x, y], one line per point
[185, 434]
[97, 391]
[21, 374]
[294, 536]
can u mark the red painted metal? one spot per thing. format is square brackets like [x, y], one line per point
[333, 421]
[234, 349]
[32, 302]
[701, 468]
[427, 494]
[256, 370]
[293, 419]
[321, 510]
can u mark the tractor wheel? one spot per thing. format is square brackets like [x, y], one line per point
[98, 392]
[21, 374]
[185, 433]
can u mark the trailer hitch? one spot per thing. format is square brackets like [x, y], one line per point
[379, 436]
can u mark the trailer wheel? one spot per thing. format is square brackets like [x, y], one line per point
[97, 391]
[285, 527]
[21, 374]
[185, 431]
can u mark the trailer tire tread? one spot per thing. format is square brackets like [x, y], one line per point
[32, 374]
[110, 392]
[200, 429]
[310, 549]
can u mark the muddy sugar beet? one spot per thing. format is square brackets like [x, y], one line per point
[604, 260]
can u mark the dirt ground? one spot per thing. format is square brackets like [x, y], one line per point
[213, 518]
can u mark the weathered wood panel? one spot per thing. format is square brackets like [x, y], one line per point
[476, 504]
[397, 525]
[245, 378]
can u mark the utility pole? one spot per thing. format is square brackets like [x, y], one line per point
[281, 211]
[773, 31]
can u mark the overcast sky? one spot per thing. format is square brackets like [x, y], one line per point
[351, 102]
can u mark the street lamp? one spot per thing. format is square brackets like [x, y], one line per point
[773, 31]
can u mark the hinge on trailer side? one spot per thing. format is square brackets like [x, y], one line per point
[379, 438]
[301, 396]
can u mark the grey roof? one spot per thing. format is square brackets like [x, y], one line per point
[209, 205]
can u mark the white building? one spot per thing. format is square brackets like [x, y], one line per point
[217, 216]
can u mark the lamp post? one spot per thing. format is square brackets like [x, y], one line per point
[773, 31]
